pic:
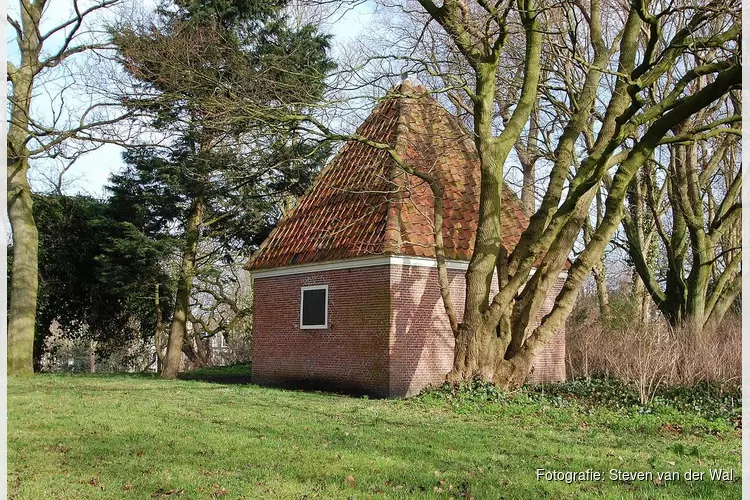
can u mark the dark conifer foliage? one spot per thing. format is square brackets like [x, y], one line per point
[222, 83]
[97, 272]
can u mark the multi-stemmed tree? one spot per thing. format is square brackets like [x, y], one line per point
[687, 200]
[625, 77]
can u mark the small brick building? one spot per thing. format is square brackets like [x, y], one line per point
[345, 288]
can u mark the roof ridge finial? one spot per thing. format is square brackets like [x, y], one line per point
[410, 83]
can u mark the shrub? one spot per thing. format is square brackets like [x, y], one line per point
[464, 397]
[650, 354]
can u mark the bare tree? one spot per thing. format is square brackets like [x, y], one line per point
[691, 192]
[219, 305]
[48, 62]
[659, 40]
[622, 82]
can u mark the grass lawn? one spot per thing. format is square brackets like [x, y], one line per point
[124, 436]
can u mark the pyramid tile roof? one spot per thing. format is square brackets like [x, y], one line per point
[363, 204]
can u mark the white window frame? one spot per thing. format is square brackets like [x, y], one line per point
[302, 303]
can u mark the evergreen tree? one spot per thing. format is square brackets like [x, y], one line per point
[224, 80]
[97, 273]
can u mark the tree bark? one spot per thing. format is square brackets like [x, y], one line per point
[724, 303]
[602, 294]
[197, 350]
[178, 328]
[481, 346]
[477, 351]
[24, 283]
[528, 163]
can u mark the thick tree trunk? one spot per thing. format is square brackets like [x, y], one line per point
[479, 351]
[466, 355]
[178, 329]
[724, 303]
[696, 307]
[197, 350]
[673, 307]
[480, 354]
[508, 363]
[24, 282]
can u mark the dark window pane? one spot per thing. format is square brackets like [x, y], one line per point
[314, 307]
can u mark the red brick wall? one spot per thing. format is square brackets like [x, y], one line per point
[421, 345]
[388, 332]
[421, 340]
[351, 355]
[550, 363]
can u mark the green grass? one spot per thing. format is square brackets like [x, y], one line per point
[232, 374]
[92, 436]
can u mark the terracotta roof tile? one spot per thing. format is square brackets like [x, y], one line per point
[362, 204]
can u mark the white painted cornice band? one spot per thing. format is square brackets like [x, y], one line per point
[378, 260]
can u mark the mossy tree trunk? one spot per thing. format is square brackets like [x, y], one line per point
[30, 137]
[505, 355]
[24, 283]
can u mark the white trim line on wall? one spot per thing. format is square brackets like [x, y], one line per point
[378, 260]
[405, 260]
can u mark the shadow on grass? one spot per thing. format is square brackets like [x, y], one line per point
[237, 374]
[231, 374]
[105, 375]
[240, 374]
